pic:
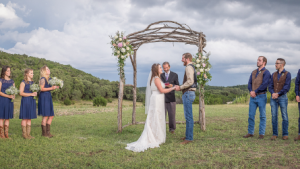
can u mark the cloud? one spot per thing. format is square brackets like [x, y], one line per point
[8, 17]
[76, 32]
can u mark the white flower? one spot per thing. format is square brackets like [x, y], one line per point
[201, 70]
[203, 57]
[128, 54]
[118, 52]
[124, 44]
[120, 39]
[197, 61]
[123, 50]
[116, 37]
[127, 48]
[122, 57]
[197, 65]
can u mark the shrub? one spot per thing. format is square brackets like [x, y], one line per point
[67, 102]
[109, 100]
[99, 101]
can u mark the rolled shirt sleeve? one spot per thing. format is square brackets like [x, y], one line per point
[189, 70]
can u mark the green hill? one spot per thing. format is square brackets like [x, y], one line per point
[77, 84]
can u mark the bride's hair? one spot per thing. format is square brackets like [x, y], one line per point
[154, 70]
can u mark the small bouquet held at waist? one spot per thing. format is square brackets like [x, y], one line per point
[12, 90]
[35, 88]
[56, 82]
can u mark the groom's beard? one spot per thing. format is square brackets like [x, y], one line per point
[184, 63]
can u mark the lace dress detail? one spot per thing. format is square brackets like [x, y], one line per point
[6, 106]
[154, 132]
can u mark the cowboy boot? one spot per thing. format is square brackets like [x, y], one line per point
[28, 129]
[6, 131]
[48, 131]
[2, 132]
[24, 134]
[44, 132]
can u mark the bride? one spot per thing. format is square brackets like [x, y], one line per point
[154, 132]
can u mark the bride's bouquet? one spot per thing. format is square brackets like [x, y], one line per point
[56, 82]
[12, 90]
[35, 88]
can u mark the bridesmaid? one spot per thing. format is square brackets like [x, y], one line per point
[45, 104]
[6, 106]
[28, 104]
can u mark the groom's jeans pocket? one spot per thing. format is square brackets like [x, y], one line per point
[191, 96]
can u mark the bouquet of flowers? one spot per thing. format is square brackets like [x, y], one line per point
[202, 66]
[56, 82]
[12, 90]
[35, 88]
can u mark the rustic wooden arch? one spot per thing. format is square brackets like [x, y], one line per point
[161, 32]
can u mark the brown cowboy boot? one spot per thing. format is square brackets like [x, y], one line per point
[273, 137]
[185, 142]
[285, 138]
[2, 132]
[24, 134]
[297, 138]
[6, 131]
[48, 131]
[248, 135]
[44, 132]
[28, 129]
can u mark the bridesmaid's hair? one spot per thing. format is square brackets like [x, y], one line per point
[154, 70]
[26, 75]
[4, 69]
[43, 72]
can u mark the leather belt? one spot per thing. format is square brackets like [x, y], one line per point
[261, 93]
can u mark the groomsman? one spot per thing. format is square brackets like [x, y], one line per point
[279, 86]
[257, 86]
[170, 101]
[297, 91]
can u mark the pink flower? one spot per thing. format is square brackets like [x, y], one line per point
[120, 45]
[124, 37]
[203, 64]
[205, 76]
[198, 73]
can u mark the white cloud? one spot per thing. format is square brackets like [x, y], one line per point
[9, 18]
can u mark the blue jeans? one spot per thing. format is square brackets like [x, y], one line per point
[259, 101]
[188, 99]
[281, 101]
[299, 118]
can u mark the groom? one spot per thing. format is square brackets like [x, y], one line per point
[170, 101]
[188, 89]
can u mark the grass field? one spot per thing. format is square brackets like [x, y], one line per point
[85, 137]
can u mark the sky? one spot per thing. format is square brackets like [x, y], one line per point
[76, 33]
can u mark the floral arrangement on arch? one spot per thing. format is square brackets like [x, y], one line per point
[121, 48]
[202, 66]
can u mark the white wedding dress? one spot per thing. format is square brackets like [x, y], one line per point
[154, 132]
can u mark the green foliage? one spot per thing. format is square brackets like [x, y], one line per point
[109, 100]
[67, 102]
[77, 84]
[99, 101]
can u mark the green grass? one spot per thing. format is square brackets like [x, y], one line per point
[85, 136]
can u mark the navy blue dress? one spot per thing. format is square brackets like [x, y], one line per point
[45, 104]
[28, 104]
[6, 106]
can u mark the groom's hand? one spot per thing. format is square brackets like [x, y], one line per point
[169, 86]
[177, 88]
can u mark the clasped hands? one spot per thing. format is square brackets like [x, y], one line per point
[176, 87]
[275, 95]
[298, 98]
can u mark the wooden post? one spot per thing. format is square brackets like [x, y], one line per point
[134, 87]
[201, 93]
[202, 109]
[120, 102]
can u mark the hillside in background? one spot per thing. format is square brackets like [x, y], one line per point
[77, 84]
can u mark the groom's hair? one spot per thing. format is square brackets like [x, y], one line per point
[188, 56]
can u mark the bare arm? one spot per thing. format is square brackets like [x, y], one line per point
[5, 95]
[160, 88]
[44, 89]
[22, 86]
